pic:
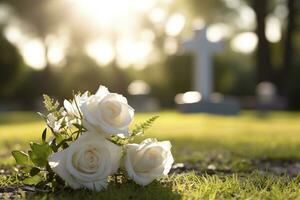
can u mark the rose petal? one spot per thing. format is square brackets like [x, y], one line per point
[140, 164]
[116, 154]
[102, 91]
[57, 162]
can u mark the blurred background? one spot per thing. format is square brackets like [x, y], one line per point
[134, 48]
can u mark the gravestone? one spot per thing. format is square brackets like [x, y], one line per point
[268, 98]
[203, 51]
[140, 99]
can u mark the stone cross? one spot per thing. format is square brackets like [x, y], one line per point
[203, 51]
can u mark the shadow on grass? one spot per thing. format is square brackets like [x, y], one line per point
[155, 190]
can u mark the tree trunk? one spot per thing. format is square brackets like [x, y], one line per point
[288, 46]
[263, 61]
[47, 74]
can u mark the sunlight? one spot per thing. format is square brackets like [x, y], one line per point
[157, 15]
[101, 51]
[107, 13]
[244, 42]
[170, 45]
[233, 4]
[121, 21]
[33, 53]
[33, 50]
[56, 49]
[131, 52]
[5, 11]
[281, 10]
[138, 87]
[112, 14]
[198, 23]
[217, 32]
[55, 54]
[188, 97]
[273, 29]
[13, 34]
[143, 5]
[175, 24]
[246, 17]
[123, 36]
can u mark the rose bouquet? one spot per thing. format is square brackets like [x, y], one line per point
[90, 145]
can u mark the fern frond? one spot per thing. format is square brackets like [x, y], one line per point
[50, 104]
[142, 127]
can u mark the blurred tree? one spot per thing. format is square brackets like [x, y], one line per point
[85, 75]
[210, 10]
[179, 73]
[10, 66]
[264, 69]
[42, 17]
[234, 74]
[288, 46]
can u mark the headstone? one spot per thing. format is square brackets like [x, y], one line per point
[140, 99]
[192, 102]
[203, 51]
[267, 97]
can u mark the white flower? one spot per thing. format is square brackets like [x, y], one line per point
[149, 160]
[72, 109]
[107, 113]
[53, 123]
[70, 121]
[87, 162]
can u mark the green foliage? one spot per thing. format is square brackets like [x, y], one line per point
[50, 104]
[34, 171]
[39, 153]
[21, 158]
[10, 66]
[44, 135]
[196, 138]
[35, 162]
[33, 180]
[184, 186]
[140, 129]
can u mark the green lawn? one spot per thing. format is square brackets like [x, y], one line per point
[227, 154]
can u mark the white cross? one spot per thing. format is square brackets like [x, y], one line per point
[203, 51]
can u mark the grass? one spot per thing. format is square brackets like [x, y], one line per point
[199, 140]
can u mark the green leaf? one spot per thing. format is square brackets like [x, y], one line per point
[64, 143]
[78, 126]
[59, 138]
[34, 171]
[39, 153]
[32, 180]
[53, 145]
[21, 158]
[44, 135]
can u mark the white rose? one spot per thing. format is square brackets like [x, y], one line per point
[149, 160]
[87, 162]
[72, 109]
[107, 113]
